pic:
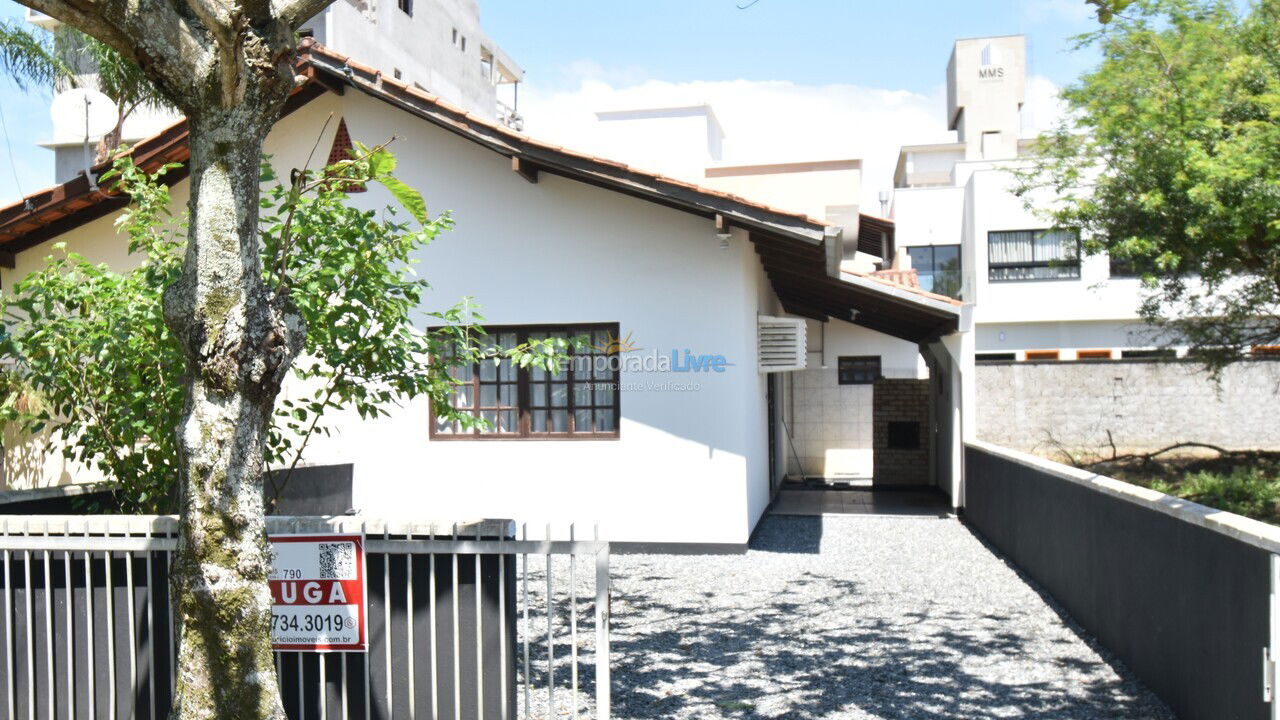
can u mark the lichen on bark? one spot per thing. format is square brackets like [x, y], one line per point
[228, 66]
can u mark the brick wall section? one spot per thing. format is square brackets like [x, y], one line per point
[1038, 407]
[900, 400]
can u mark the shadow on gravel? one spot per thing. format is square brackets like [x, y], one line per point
[793, 534]
[728, 658]
[826, 647]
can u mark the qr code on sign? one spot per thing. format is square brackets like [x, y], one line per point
[337, 561]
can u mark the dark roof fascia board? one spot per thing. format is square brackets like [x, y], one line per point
[572, 166]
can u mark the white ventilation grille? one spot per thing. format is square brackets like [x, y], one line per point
[781, 343]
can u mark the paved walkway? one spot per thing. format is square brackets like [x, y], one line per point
[858, 616]
[863, 501]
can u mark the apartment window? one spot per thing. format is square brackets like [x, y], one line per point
[578, 401]
[1033, 255]
[396, 73]
[858, 370]
[463, 44]
[406, 6]
[455, 36]
[938, 267]
[1042, 354]
[1093, 354]
[995, 357]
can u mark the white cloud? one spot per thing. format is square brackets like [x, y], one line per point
[771, 121]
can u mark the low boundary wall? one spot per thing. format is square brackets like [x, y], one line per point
[1179, 592]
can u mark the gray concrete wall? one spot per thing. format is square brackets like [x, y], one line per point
[1146, 405]
[1178, 592]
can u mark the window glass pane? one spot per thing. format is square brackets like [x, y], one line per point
[604, 421]
[488, 371]
[508, 371]
[921, 258]
[538, 394]
[461, 372]
[491, 418]
[581, 394]
[559, 421]
[488, 395]
[507, 395]
[463, 396]
[582, 421]
[858, 370]
[538, 421]
[603, 394]
[507, 418]
[559, 394]
[444, 426]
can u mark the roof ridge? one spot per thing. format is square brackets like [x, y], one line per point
[310, 46]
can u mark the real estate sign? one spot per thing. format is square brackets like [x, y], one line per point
[318, 599]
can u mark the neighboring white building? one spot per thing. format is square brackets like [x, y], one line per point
[969, 236]
[548, 240]
[434, 45]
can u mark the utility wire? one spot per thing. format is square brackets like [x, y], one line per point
[9, 149]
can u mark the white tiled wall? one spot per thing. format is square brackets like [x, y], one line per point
[831, 426]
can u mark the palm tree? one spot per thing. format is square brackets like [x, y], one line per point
[65, 57]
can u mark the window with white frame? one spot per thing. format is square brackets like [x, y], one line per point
[1052, 254]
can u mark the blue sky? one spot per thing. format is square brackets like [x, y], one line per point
[880, 44]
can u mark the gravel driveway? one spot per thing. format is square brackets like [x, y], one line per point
[850, 617]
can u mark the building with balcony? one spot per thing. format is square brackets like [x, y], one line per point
[1035, 296]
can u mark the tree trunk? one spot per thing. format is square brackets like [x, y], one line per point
[239, 343]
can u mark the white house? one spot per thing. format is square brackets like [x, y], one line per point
[970, 236]
[688, 441]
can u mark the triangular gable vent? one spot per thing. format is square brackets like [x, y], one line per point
[341, 151]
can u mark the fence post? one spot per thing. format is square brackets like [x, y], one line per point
[602, 633]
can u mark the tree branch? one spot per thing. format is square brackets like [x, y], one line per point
[295, 12]
[152, 32]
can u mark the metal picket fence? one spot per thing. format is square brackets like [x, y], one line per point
[454, 629]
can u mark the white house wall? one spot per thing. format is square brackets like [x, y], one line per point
[690, 465]
[560, 251]
[830, 424]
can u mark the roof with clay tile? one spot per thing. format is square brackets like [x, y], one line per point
[53, 211]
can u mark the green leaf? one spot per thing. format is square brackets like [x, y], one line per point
[409, 198]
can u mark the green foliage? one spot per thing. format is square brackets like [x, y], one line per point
[1170, 159]
[31, 55]
[99, 368]
[1252, 492]
[1107, 9]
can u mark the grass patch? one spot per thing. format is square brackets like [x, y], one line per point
[1245, 483]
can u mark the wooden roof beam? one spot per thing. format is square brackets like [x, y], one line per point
[524, 168]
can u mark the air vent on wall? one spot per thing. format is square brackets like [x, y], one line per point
[781, 344]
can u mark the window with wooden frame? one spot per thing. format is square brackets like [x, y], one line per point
[579, 401]
[858, 369]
